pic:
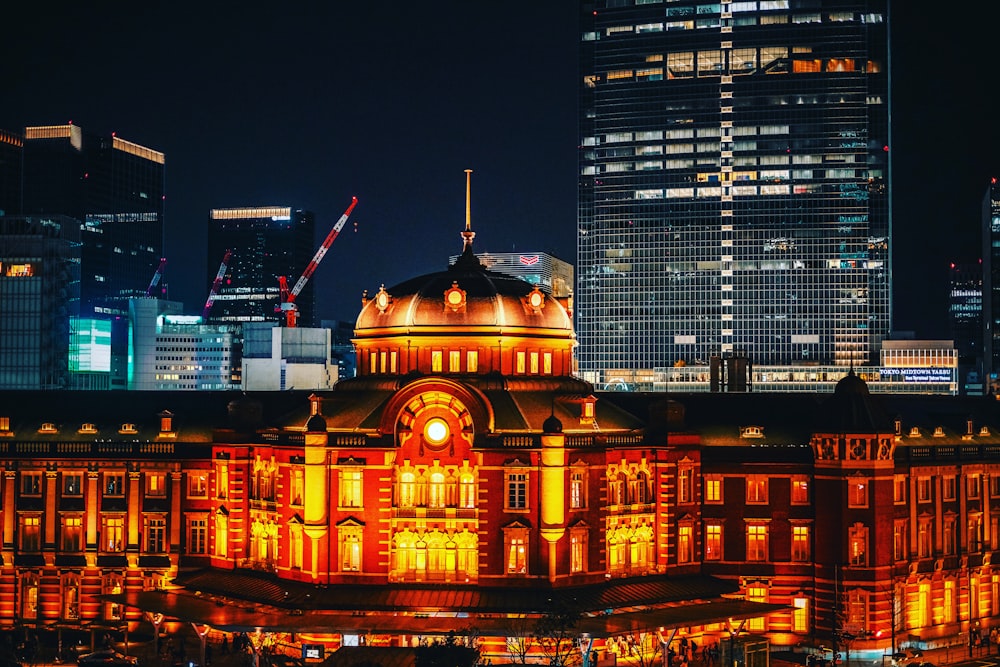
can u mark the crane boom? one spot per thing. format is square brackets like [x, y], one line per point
[156, 276]
[216, 284]
[321, 252]
[288, 295]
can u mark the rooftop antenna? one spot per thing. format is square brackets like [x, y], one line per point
[468, 234]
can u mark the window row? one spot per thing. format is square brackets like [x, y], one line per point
[71, 483]
[111, 538]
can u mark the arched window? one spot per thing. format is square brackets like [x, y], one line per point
[436, 497]
[467, 490]
[29, 596]
[407, 489]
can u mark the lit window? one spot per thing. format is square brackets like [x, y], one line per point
[31, 533]
[71, 597]
[756, 542]
[113, 534]
[972, 486]
[222, 481]
[547, 363]
[436, 490]
[800, 615]
[467, 490]
[924, 536]
[713, 541]
[577, 491]
[29, 596]
[899, 489]
[350, 548]
[800, 544]
[472, 361]
[454, 361]
[685, 477]
[221, 535]
[857, 544]
[857, 492]
[578, 550]
[197, 484]
[516, 547]
[437, 360]
[684, 544]
[156, 484]
[756, 593]
[534, 363]
[350, 487]
[800, 490]
[519, 369]
[407, 489]
[713, 489]
[949, 536]
[757, 489]
[72, 533]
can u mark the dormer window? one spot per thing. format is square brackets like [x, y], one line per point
[985, 430]
[938, 432]
[751, 431]
[88, 429]
[588, 409]
[128, 428]
[5, 431]
[914, 432]
[167, 424]
[48, 427]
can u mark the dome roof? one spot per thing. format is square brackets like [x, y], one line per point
[464, 295]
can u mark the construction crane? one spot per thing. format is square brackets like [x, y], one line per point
[156, 276]
[288, 306]
[216, 284]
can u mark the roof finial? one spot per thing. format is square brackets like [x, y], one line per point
[468, 234]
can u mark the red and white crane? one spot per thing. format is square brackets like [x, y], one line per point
[288, 295]
[156, 277]
[212, 293]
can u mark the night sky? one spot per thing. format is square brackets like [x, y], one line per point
[302, 105]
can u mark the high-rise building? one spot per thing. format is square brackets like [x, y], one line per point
[264, 243]
[115, 188]
[39, 279]
[991, 282]
[965, 322]
[733, 193]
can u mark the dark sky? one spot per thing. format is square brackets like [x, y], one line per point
[308, 104]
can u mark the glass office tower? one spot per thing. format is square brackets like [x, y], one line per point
[733, 194]
[115, 188]
[265, 242]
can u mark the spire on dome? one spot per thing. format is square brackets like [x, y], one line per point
[468, 234]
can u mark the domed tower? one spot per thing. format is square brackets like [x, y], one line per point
[464, 321]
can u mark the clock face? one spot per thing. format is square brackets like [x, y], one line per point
[455, 297]
[535, 299]
[436, 432]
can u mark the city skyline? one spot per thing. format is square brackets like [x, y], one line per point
[422, 94]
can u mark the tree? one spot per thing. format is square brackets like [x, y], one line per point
[519, 638]
[555, 633]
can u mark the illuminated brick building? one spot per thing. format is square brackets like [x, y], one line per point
[464, 477]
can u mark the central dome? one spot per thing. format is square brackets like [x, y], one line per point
[464, 295]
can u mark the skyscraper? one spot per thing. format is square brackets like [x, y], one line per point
[115, 188]
[265, 243]
[39, 276]
[733, 194]
[991, 283]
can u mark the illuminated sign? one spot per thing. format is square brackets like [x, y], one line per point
[918, 374]
[528, 260]
[312, 651]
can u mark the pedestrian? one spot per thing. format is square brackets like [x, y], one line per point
[225, 644]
